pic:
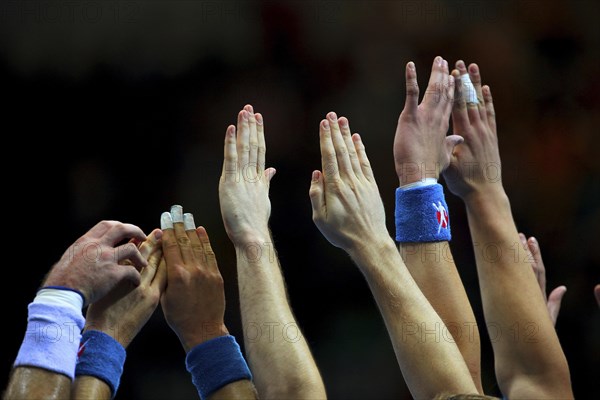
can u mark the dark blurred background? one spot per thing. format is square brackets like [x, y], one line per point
[118, 109]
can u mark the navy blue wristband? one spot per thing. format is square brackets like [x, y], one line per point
[216, 363]
[102, 357]
[422, 215]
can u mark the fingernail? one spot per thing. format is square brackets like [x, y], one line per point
[460, 64]
[245, 115]
[188, 222]
[343, 122]
[177, 213]
[259, 119]
[166, 222]
[158, 234]
[411, 66]
[473, 69]
[438, 60]
[325, 124]
[332, 116]
[250, 109]
[315, 176]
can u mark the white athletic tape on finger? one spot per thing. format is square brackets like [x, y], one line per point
[469, 92]
[177, 213]
[188, 222]
[166, 222]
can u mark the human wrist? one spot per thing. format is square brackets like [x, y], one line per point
[412, 172]
[117, 331]
[488, 197]
[206, 332]
[364, 251]
[251, 236]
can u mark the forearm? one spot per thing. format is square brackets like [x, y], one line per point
[243, 389]
[428, 357]
[523, 338]
[432, 267]
[89, 387]
[37, 383]
[279, 356]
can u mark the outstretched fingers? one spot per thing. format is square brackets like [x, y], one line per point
[317, 196]
[262, 147]
[329, 163]
[412, 89]
[341, 151]
[230, 158]
[365, 164]
[243, 138]
[435, 87]
[352, 154]
[489, 108]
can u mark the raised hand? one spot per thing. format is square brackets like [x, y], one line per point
[475, 164]
[347, 207]
[125, 310]
[555, 299]
[421, 147]
[244, 184]
[194, 300]
[94, 266]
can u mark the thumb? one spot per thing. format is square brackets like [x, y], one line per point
[554, 302]
[452, 141]
[269, 174]
[317, 195]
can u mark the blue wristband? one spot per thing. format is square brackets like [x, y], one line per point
[216, 363]
[422, 215]
[102, 357]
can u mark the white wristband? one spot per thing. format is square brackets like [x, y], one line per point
[421, 183]
[59, 297]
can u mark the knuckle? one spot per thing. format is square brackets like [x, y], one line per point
[183, 241]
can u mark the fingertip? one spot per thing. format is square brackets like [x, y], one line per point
[460, 64]
[455, 74]
[316, 175]
[157, 234]
[249, 108]
[332, 116]
[259, 118]
[356, 137]
[325, 124]
[343, 121]
[473, 68]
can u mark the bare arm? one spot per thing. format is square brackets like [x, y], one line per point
[348, 210]
[529, 359]
[194, 300]
[422, 150]
[93, 278]
[37, 383]
[123, 312]
[279, 356]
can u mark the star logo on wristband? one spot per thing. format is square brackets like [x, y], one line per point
[81, 348]
[441, 215]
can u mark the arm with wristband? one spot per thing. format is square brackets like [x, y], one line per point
[194, 307]
[112, 323]
[526, 367]
[421, 151]
[282, 363]
[45, 364]
[348, 210]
